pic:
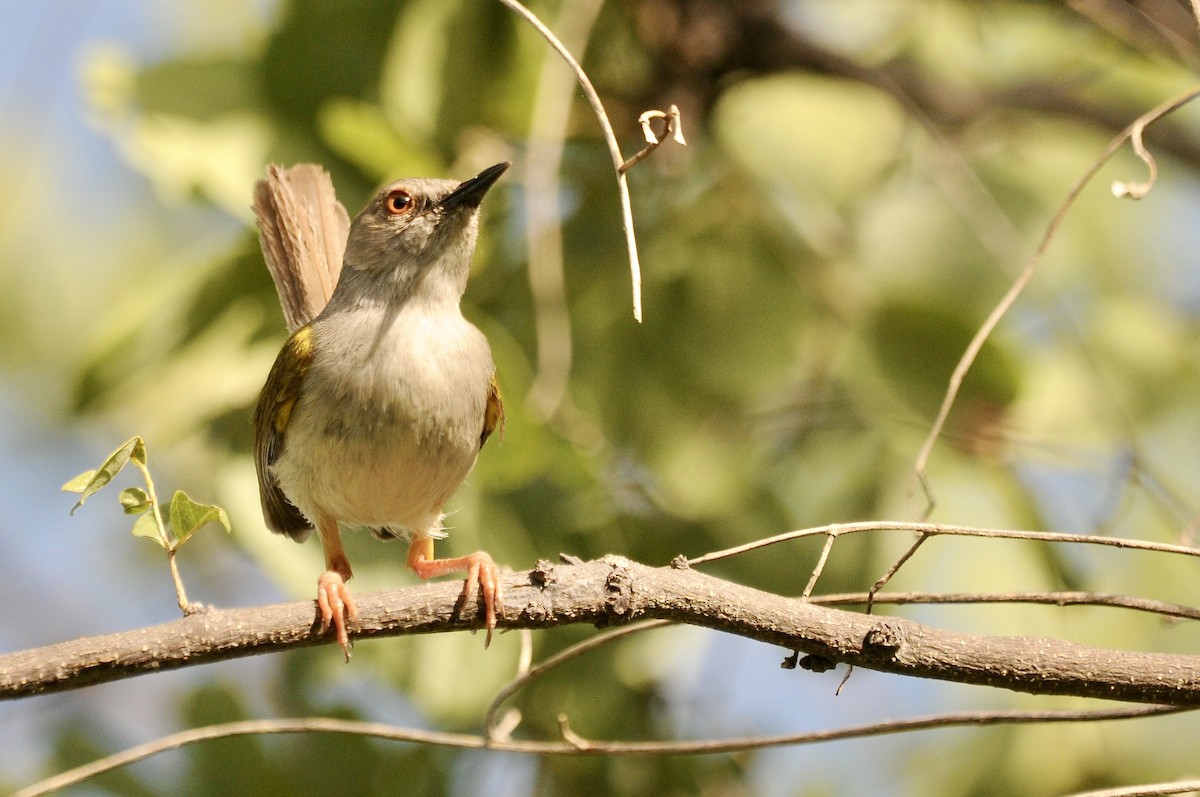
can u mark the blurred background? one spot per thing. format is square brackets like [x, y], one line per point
[862, 182]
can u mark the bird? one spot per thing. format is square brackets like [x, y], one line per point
[379, 402]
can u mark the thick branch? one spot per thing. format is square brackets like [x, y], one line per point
[612, 591]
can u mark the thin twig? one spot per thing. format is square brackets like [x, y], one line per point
[882, 581]
[570, 737]
[614, 148]
[1139, 189]
[1144, 790]
[1073, 598]
[577, 746]
[819, 566]
[940, 529]
[672, 128]
[491, 716]
[879, 584]
[973, 201]
[1019, 285]
[502, 726]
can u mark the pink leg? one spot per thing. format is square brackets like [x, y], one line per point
[333, 596]
[480, 570]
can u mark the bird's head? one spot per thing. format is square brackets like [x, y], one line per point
[419, 232]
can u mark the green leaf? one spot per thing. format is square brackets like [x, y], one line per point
[79, 483]
[134, 500]
[133, 449]
[146, 526]
[138, 453]
[187, 516]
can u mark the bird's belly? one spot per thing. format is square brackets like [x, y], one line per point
[401, 485]
[395, 480]
[386, 427]
[373, 460]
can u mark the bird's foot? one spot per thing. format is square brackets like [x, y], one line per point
[337, 606]
[481, 569]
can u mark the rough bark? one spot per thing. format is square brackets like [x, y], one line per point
[613, 591]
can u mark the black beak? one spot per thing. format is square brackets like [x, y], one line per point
[470, 193]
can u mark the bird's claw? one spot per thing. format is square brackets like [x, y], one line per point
[482, 570]
[336, 605]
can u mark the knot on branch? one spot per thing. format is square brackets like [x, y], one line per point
[619, 602]
[817, 664]
[812, 662]
[884, 639]
[542, 575]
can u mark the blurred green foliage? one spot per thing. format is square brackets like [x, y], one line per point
[862, 182]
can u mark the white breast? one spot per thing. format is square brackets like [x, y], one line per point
[389, 420]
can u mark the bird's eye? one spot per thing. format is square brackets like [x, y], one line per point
[398, 203]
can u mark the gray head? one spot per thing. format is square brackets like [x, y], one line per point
[416, 235]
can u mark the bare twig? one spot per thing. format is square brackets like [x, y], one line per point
[573, 744]
[502, 726]
[925, 531]
[491, 718]
[1137, 190]
[819, 567]
[614, 149]
[882, 581]
[672, 128]
[1144, 790]
[1075, 598]
[940, 529]
[973, 201]
[1018, 286]
[577, 742]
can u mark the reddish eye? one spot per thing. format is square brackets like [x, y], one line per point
[398, 203]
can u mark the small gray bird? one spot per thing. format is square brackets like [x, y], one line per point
[375, 410]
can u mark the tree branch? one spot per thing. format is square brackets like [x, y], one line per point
[613, 591]
[575, 745]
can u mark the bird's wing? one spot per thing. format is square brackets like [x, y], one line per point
[271, 417]
[493, 413]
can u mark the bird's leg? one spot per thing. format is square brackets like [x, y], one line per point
[333, 596]
[480, 569]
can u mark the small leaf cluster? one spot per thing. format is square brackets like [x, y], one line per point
[170, 525]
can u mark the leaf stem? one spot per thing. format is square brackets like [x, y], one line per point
[168, 542]
[180, 592]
